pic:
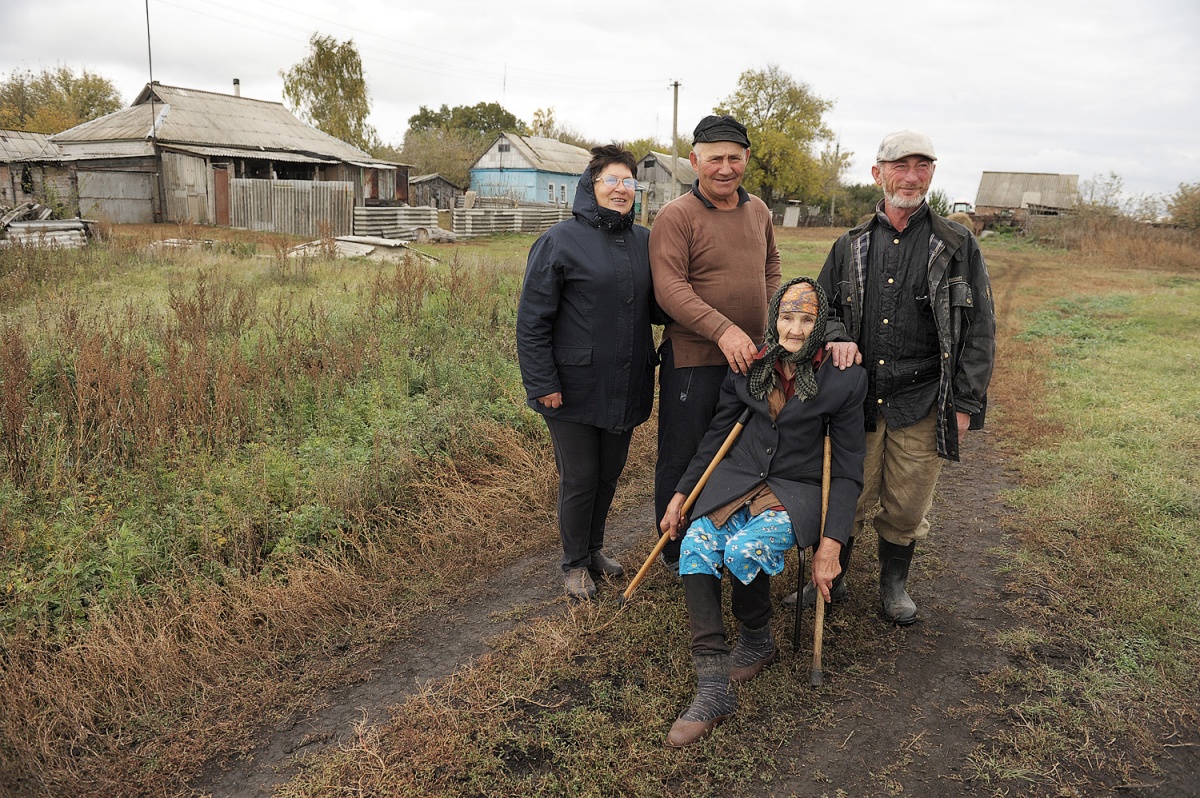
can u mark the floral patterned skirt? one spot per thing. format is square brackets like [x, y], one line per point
[745, 545]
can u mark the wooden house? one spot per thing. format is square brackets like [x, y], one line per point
[433, 191]
[1023, 194]
[529, 169]
[34, 169]
[655, 179]
[183, 155]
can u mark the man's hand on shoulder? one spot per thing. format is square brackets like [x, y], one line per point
[844, 354]
[738, 349]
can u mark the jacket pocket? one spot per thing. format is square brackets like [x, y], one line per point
[572, 355]
[961, 295]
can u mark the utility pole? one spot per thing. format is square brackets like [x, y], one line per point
[674, 139]
[837, 179]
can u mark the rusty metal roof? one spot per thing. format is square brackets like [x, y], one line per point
[19, 145]
[209, 119]
[1022, 189]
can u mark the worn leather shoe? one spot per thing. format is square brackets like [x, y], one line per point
[579, 585]
[685, 732]
[603, 565]
[753, 651]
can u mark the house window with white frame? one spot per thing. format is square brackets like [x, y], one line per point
[550, 193]
[562, 193]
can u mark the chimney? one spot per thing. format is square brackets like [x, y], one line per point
[237, 88]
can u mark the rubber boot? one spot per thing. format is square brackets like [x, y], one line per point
[713, 704]
[893, 578]
[838, 591]
[755, 650]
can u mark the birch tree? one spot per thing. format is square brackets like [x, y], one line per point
[329, 91]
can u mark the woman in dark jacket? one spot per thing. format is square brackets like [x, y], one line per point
[587, 355]
[765, 496]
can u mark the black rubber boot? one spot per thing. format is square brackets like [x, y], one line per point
[838, 591]
[893, 578]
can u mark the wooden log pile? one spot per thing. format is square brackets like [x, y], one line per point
[29, 224]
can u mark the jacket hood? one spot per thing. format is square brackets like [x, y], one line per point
[588, 210]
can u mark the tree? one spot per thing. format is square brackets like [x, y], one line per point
[55, 99]
[328, 90]
[783, 118]
[939, 202]
[447, 141]
[487, 119]
[1184, 206]
[545, 125]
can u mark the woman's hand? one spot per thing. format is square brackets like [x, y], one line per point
[672, 520]
[551, 400]
[826, 565]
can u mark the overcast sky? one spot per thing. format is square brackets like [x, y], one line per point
[1065, 86]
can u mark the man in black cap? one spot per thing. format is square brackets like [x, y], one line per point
[715, 266]
[910, 299]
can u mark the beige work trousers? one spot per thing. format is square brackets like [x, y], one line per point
[899, 475]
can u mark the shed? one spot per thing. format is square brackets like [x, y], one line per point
[434, 191]
[654, 173]
[1034, 193]
[185, 155]
[529, 169]
[34, 169]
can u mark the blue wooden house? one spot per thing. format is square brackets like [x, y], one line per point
[529, 169]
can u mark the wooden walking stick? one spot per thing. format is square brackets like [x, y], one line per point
[688, 502]
[816, 677]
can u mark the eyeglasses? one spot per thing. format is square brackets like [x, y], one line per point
[612, 180]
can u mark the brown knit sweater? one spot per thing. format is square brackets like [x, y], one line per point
[712, 268]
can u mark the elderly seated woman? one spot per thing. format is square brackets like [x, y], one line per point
[765, 497]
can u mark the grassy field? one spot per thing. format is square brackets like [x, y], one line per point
[230, 475]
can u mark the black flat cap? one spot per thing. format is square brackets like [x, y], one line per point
[721, 128]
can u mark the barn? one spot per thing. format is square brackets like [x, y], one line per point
[433, 191]
[1024, 194]
[529, 169]
[185, 155]
[655, 179]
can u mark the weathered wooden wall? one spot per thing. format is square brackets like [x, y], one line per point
[300, 207]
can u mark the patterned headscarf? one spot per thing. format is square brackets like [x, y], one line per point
[762, 371]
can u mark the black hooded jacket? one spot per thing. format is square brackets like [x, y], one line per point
[583, 322]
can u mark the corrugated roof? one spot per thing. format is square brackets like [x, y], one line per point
[430, 176]
[19, 145]
[551, 155]
[684, 173]
[204, 118]
[243, 152]
[1020, 189]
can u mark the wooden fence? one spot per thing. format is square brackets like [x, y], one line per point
[299, 207]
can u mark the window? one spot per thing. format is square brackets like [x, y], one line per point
[550, 192]
[650, 163]
[503, 147]
[562, 192]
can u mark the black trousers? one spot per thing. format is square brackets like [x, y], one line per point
[687, 400]
[590, 461]
[751, 605]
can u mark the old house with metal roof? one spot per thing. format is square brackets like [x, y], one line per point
[1024, 194]
[659, 185]
[34, 169]
[529, 169]
[184, 155]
